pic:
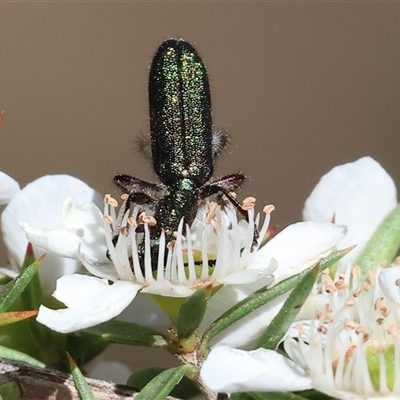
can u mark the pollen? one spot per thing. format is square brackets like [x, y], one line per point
[108, 219]
[108, 199]
[212, 207]
[147, 219]
[268, 208]
[132, 222]
[248, 203]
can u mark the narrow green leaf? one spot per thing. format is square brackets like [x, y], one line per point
[161, 386]
[185, 389]
[128, 333]
[13, 289]
[282, 321]
[383, 244]
[84, 390]
[333, 258]
[11, 354]
[15, 316]
[191, 313]
[261, 297]
[31, 297]
[275, 396]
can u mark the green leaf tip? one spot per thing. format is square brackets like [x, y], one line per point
[16, 287]
[383, 245]
[84, 390]
[15, 316]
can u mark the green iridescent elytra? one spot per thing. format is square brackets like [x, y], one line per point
[180, 114]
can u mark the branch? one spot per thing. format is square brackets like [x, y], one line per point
[45, 384]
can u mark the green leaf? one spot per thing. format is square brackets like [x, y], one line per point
[13, 289]
[261, 297]
[161, 386]
[48, 348]
[84, 390]
[282, 321]
[275, 396]
[185, 389]
[383, 244]
[15, 316]
[10, 391]
[128, 333]
[191, 313]
[31, 297]
[11, 354]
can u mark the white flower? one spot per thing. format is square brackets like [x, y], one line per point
[215, 235]
[87, 235]
[358, 195]
[40, 204]
[351, 350]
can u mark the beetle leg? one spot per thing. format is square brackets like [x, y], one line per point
[220, 186]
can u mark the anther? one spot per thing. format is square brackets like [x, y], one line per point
[248, 203]
[268, 208]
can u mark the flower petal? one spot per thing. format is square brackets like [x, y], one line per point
[57, 241]
[144, 311]
[245, 276]
[359, 195]
[90, 301]
[164, 287]
[388, 281]
[8, 188]
[230, 370]
[299, 246]
[40, 204]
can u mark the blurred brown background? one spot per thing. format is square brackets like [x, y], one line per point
[301, 87]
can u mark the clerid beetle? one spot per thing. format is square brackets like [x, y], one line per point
[183, 146]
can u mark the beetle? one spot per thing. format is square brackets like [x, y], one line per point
[183, 146]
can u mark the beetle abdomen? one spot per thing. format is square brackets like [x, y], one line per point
[180, 114]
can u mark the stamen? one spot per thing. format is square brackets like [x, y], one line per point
[268, 208]
[108, 219]
[147, 219]
[248, 203]
[212, 207]
[109, 200]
